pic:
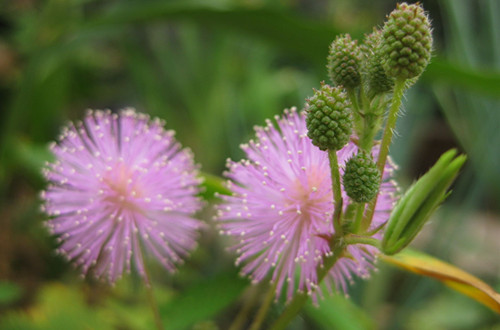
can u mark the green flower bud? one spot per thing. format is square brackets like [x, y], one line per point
[344, 62]
[406, 42]
[377, 80]
[328, 118]
[420, 201]
[361, 178]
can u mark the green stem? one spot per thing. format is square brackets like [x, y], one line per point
[369, 123]
[360, 211]
[397, 98]
[374, 230]
[369, 214]
[298, 301]
[391, 124]
[367, 118]
[337, 192]
[372, 124]
[357, 113]
[354, 99]
[365, 102]
[355, 239]
[366, 140]
[250, 299]
[151, 299]
[261, 313]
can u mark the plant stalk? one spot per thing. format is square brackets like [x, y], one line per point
[360, 211]
[261, 313]
[337, 192]
[298, 301]
[391, 124]
[397, 98]
[152, 301]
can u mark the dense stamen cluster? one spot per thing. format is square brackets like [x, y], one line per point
[281, 209]
[121, 181]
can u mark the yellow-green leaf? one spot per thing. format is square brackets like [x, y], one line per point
[456, 278]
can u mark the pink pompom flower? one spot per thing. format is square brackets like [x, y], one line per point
[120, 183]
[281, 208]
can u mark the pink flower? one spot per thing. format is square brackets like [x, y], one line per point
[281, 208]
[121, 183]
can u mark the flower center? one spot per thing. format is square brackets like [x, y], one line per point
[310, 191]
[121, 188]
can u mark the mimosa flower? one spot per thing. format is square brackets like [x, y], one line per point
[281, 208]
[121, 184]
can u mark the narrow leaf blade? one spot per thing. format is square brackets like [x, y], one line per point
[454, 277]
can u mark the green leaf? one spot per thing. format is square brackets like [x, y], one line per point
[31, 157]
[420, 201]
[203, 300]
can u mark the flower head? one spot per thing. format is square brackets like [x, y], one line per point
[120, 182]
[361, 178]
[344, 62]
[406, 41]
[281, 209]
[329, 123]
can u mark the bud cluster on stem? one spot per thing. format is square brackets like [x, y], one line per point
[374, 76]
[369, 81]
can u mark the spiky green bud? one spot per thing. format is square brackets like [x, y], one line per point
[406, 42]
[328, 118]
[344, 62]
[361, 178]
[377, 80]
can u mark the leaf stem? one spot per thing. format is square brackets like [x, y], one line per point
[391, 124]
[356, 239]
[151, 299]
[397, 98]
[337, 192]
[261, 313]
[298, 301]
[357, 118]
[360, 210]
[250, 297]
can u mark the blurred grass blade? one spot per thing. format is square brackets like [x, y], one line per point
[31, 156]
[338, 312]
[203, 301]
[442, 71]
[285, 29]
[282, 28]
[456, 278]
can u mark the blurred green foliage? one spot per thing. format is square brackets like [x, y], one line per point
[213, 69]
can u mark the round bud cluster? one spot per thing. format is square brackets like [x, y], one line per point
[328, 118]
[406, 41]
[361, 178]
[344, 62]
[377, 80]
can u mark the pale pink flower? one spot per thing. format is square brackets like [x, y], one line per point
[281, 208]
[121, 184]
